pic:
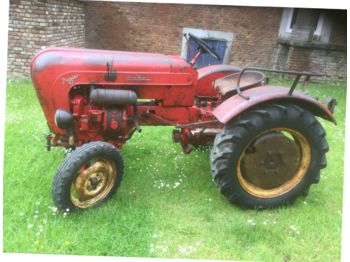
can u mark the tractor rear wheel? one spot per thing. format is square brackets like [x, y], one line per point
[87, 177]
[268, 156]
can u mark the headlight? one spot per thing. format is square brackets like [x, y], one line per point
[63, 119]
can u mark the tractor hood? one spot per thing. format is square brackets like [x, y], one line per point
[129, 67]
[56, 71]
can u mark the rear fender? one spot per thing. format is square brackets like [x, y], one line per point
[236, 104]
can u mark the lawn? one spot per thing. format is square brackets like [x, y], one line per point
[167, 206]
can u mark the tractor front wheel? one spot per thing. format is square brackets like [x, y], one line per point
[269, 156]
[87, 177]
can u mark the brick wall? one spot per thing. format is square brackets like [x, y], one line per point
[149, 27]
[330, 62]
[158, 27]
[34, 25]
[315, 56]
[329, 59]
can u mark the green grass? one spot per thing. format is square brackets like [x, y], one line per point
[167, 205]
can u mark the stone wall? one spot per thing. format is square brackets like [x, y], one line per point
[35, 25]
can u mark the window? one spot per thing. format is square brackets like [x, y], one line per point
[294, 17]
[314, 21]
[220, 41]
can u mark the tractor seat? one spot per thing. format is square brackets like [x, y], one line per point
[227, 85]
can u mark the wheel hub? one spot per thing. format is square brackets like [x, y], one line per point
[273, 163]
[93, 182]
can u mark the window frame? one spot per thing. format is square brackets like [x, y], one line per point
[208, 34]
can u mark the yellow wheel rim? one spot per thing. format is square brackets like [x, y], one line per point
[93, 183]
[274, 163]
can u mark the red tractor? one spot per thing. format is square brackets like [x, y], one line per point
[267, 146]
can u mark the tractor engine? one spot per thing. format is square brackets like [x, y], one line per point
[101, 113]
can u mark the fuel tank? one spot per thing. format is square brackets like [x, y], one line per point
[56, 71]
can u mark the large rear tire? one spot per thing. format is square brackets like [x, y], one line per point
[87, 177]
[268, 156]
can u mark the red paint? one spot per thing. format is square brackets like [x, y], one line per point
[235, 105]
[179, 94]
[208, 74]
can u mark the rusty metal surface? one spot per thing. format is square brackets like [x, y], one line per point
[65, 79]
[229, 83]
[274, 163]
[207, 75]
[198, 124]
[209, 70]
[56, 71]
[235, 105]
[272, 160]
[95, 57]
[297, 74]
[93, 182]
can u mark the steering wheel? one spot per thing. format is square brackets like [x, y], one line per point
[204, 46]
